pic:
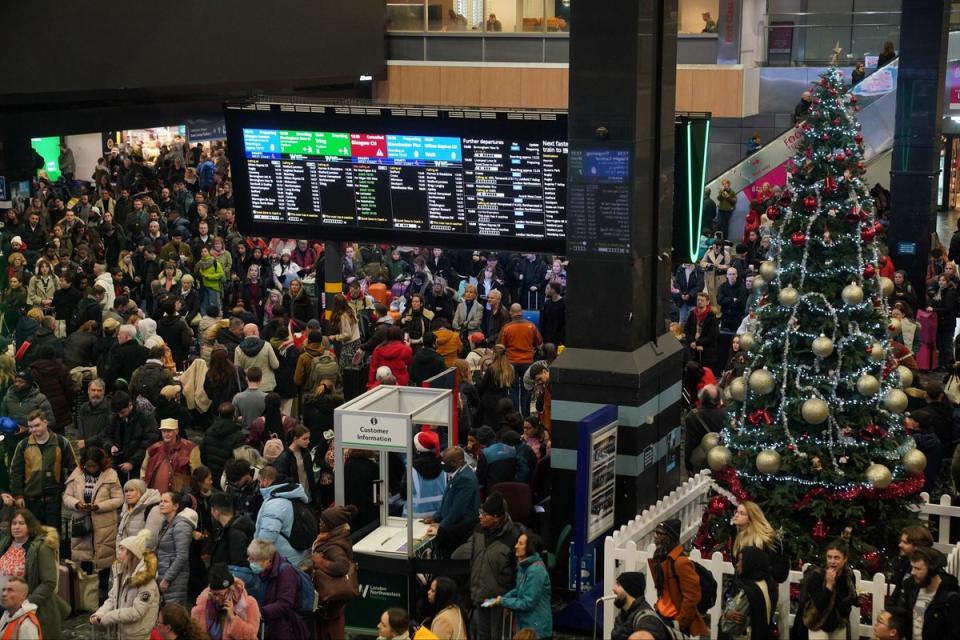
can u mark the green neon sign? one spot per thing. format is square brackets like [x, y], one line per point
[693, 230]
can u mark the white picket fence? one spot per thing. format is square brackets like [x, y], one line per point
[631, 546]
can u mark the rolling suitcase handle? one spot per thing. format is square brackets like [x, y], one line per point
[506, 629]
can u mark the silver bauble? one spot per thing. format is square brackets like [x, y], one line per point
[768, 461]
[895, 401]
[822, 346]
[893, 327]
[886, 286]
[852, 294]
[877, 353]
[868, 385]
[768, 269]
[879, 476]
[788, 296]
[906, 376]
[709, 441]
[814, 411]
[914, 461]
[747, 341]
[719, 458]
[761, 381]
[738, 389]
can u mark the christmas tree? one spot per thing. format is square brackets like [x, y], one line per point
[815, 431]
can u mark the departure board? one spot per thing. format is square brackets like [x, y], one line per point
[497, 182]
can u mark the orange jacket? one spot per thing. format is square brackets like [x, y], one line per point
[521, 338]
[683, 590]
[448, 345]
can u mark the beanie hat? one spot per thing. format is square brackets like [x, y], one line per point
[272, 450]
[334, 516]
[8, 426]
[427, 441]
[494, 505]
[137, 545]
[383, 372]
[26, 376]
[670, 528]
[477, 338]
[633, 583]
[220, 577]
[16, 240]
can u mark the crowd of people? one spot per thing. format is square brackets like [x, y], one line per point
[167, 392]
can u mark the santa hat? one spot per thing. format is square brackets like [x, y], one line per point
[427, 441]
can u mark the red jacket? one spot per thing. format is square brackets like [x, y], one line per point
[394, 354]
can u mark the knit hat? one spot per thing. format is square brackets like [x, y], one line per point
[494, 505]
[313, 324]
[26, 376]
[383, 372]
[671, 528]
[477, 338]
[427, 441]
[16, 240]
[137, 545]
[170, 391]
[334, 516]
[633, 582]
[220, 577]
[169, 423]
[272, 450]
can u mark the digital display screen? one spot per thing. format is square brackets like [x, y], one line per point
[494, 182]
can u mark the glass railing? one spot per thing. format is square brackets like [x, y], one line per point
[808, 39]
[479, 16]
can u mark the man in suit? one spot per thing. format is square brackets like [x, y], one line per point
[460, 508]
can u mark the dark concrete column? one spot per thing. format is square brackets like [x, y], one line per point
[332, 277]
[620, 208]
[924, 27]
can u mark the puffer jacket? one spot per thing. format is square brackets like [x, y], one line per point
[278, 602]
[99, 547]
[448, 345]
[275, 519]
[173, 553]
[394, 354]
[217, 446]
[41, 575]
[255, 352]
[19, 406]
[142, 515]
[246, 620]
[492, 560]
[80, 349]
[531, 597]
[132, 436]
[134, 600]
[54, 381]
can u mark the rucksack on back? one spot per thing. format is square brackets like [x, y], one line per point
[321, 367]
[305, 525]
[708, 585]
[307, 601]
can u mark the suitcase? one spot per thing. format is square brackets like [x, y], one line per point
[65, 578]
[354, 381]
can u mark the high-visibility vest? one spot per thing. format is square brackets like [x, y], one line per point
[12, 630]
[427, 494]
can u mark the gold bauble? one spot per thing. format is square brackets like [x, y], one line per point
[822, 346]
[895, 401]
[719, 457]
[768, 269]
[709, 440]
[886, 286]
[768, 461]
[877, 353]
[879, 476]
[788, 296]
[852, 294]
[814, 411]
[759, 282]
[914, 461]
[761, 381]
[747, 341]
[893, 327]
[905, 375]
[738, 389]
[868, 385]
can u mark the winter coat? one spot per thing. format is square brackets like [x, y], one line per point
[218, 443]
[134, 600]
[36, 467]
[177, 335]
[733, 304]
[132, 437]
[530, 598]
[333, 552]
[687, 285]
[302, 374]
[708, 338]
[93, 420]
[492, 560]
[173, 552]
[18, 406]
[54, 382]
[255, 352]
[497, 463]
[831, 607]
[942, 613]
[288, 355]
[682, 585]
[246, 619]
[41, 574]
[168, 468]
[124, 359]
[639, 617]
[448, 345]
[100, 546]
[278, 602]
[286, 464]
[41, 289]
[79, 350]
[450, 624]
[275, 519]
[148, 380]
[426, 364]
[298, 307]
[468, 321]
[230, 542]
[394, 354]
[44, 337]
[461, 500]
[143, 515]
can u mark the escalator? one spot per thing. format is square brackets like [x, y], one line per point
[877, 98]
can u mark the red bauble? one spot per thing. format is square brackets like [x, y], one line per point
[867, 234]
[810, 203]
[823, 82]
[829, 185]
[841, 157]
[869, 271]
[820, 531]
[877, 228]
[833, 92]
[852, 217]
[853, 99]
[861, 166]
[836, 122]
[871, 561]
[862, 522]
[772, 213]
[717, 505]
[858, 137]
[785, 199]
[798, 239]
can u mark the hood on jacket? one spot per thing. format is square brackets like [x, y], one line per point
[25, 608]
[32, 390]
[168, 321]
[146, 570]
[290, 491]
[314, 349]
[393, 349]
[251, 345]
[427, 464]
[190, 516]
[243, 523]
[223, 427]
[149, 497]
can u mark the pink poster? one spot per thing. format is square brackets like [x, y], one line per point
[953, 83]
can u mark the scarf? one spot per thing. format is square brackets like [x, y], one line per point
[701, 315]
[756, 569]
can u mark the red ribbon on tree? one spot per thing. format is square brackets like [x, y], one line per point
[729, 477]
[872, 432]
[760, 415]
[901, 489]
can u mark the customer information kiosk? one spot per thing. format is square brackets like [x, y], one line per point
[385, 419]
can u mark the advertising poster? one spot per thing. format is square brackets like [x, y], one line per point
[953, 83]
[49, 150]
[603, 476]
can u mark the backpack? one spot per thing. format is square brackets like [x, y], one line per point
[149, 383]
[307, 601]
[305, 525]
[708, 585]
[322, 366]
[646, 612]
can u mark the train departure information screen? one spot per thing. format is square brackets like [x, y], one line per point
[481, 185]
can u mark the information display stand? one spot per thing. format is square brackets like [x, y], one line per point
[385, 419]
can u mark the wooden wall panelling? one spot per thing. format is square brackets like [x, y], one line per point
[460, 86]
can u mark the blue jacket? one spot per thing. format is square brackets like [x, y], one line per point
[275, 520]
[530, 598]
[497, 463]
[461, 501]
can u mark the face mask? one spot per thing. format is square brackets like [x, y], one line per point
[256, 568]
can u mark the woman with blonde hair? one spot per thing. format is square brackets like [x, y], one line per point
[753, 530]
[42, 286]
[134, 599]
[493, 386]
